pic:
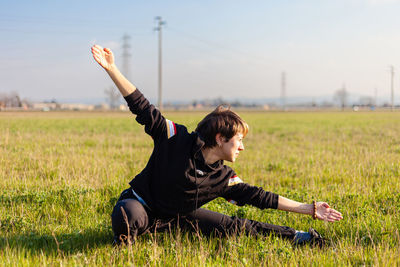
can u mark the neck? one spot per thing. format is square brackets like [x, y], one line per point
[210, 155]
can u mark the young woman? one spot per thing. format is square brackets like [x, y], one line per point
[186, 170]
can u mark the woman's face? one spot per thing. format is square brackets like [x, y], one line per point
[230, 149]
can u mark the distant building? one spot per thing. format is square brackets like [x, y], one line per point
[102, 106]
[44, 106]
[123, 107]
[73, 106]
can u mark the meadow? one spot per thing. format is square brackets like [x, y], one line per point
[62, 172]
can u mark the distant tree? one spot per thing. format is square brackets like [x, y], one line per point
[11, 99]
[2, 101]
[341, 96]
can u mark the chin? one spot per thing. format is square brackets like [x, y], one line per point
[230, 160]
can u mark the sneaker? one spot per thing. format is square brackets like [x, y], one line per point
[316, 239]
[311, 237]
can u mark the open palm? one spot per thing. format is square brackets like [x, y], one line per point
[103, 56]
[324, 212]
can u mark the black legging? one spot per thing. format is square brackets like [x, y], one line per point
[129, 211]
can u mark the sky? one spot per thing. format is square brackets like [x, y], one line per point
[228, 49]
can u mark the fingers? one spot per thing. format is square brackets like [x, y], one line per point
[96, 51]
[97, 48]
[328, 214]
[98, 55]
[336, 213]
[333, 215]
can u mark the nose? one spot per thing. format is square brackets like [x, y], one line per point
[241, 147]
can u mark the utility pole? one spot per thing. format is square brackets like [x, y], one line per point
[341, 96]
[283, 90]
[126, 55]
[159, 29]
[344, 96]
[391, 86]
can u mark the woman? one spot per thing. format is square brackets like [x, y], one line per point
[186, 170]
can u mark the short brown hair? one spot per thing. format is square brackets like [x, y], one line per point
[223, 121]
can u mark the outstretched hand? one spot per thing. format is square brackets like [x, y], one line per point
[103, 56]
[324, 212]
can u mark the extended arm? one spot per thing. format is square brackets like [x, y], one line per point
[105, 58]
[147, 115]
[324, 212]
[241, 193]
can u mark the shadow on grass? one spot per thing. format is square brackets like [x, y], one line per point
[59, 243]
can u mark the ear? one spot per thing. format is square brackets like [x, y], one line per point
[219, 139]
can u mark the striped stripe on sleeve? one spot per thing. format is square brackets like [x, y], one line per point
[171, 128]
[234, 180]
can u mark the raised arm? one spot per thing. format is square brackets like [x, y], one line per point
[324, 212]
[105, 58]
[146, 113]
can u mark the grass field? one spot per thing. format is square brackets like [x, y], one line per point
[61, 173]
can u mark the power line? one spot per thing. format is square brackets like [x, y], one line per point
[66, 25]
[34, 32]
[219, 46]
[53, 21]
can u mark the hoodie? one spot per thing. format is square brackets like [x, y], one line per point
[176, 179]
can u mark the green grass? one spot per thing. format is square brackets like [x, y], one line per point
[61, 173]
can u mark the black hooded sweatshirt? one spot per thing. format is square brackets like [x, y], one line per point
[176, 179]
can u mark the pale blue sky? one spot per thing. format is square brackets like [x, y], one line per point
[229, 49]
